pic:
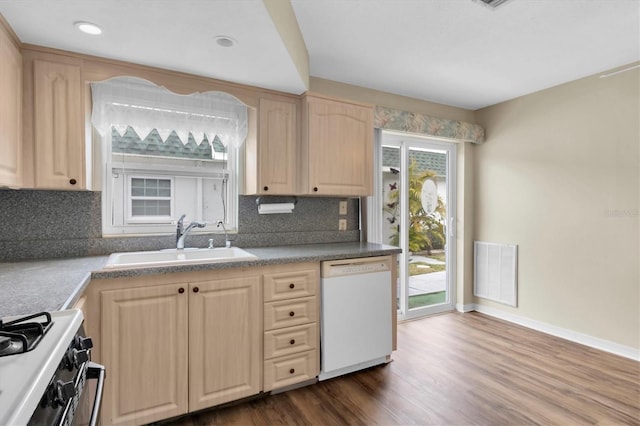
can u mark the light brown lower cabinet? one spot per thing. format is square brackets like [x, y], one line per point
[145, 349]
[177, 343]
[175, 348]
[291, 324]
[225, 332]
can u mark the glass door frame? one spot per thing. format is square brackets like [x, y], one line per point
[375, 216]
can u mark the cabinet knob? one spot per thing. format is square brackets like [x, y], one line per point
[292, 285]
[293, 370]
[315, 189]
[181, 290]
[291, 313]
[292, 341]
[73, 181]
[196, 289]
[266, 188]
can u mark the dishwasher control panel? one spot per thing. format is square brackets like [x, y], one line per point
[356, 266]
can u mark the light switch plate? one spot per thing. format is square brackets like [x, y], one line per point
[342, 225]
[343, 207]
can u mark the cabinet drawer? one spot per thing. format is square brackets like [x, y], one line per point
[289, 285]
[289, 370]
[287, 313]
[290, 340]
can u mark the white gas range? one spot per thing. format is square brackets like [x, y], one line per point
[44, 370]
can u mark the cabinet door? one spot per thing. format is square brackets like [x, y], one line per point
[144, 348]
[225, 341]
[340, 148]
[276, 147]
[10, 113]
[58, 126]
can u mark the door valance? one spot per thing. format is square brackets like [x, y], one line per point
[404, 121]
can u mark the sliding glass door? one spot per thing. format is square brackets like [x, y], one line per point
[414, 208]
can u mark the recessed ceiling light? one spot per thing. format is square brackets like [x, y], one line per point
[225, 41]
[88, 28]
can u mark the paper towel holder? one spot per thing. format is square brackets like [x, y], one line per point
[280, 206]
[293, 199]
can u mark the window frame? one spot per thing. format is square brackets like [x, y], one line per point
[126, 164]
[135, 220]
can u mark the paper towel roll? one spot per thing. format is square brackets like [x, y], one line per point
[276, 208]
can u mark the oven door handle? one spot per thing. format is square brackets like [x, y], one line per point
[96, 371]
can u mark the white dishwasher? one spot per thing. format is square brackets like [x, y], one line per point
[356, 315]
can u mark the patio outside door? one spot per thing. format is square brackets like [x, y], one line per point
[414, 208]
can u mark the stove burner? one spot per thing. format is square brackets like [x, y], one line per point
[23, 334]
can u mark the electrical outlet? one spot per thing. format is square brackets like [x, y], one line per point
[343, 207]
[342, 225]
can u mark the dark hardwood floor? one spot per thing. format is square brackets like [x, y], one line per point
[460, 369]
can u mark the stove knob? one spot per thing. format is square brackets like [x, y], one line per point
[80, 357]
[83, 342]
[64, 391]
[74, 359]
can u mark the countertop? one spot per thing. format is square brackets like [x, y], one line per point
[47, 285]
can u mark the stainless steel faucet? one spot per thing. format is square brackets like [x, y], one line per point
[181, 232]
[227, 241]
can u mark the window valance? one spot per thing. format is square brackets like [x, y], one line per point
[128, 101]
[404, 121]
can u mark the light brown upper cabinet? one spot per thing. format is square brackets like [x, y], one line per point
[270, 160]
[10, 112]
[58, 126]
[337, 147]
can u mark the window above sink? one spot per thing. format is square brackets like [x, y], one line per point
[166, 154]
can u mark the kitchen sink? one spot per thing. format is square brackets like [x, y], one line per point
[173, 257]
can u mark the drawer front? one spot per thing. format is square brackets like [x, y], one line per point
[289, 370]
[290, 340]
[288, 313]
[290, 285]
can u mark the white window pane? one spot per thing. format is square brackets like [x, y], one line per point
[137, 208]
[164, 208]
[137, 187]
[150, 191]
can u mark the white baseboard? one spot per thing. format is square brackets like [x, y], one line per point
[465, 308]
[584, 339]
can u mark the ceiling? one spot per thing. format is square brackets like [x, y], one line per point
[455, 52]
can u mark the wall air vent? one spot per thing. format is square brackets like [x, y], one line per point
[493, 3]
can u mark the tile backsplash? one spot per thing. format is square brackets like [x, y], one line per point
[39, 224]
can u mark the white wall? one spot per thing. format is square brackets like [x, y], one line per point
[559, 176]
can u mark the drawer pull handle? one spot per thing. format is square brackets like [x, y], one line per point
[315, 189]
[266, 188]
[292, 341]
[293, 370]
[73, 181]
[292, 285]
[291, 313]
[181, 290]
[196, 289]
